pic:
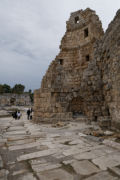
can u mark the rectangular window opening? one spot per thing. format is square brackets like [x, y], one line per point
[60, 61]
[77, 20]
[87, 58]
[85, 32]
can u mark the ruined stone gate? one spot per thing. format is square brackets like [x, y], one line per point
[84, 78]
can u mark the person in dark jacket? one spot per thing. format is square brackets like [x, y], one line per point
[14, 115]
[28, 114]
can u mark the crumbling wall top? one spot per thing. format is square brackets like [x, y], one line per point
[81, 18]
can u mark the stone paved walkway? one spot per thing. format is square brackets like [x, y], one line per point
[42, 152]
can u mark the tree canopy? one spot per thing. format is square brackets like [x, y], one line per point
[17, 89]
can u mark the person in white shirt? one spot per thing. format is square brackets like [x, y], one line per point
[18, 115]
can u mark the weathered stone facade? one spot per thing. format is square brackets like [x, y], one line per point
[15, 99]
[84, 79]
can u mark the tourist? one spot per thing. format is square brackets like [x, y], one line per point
[18, 115]
[31, 110]
[14, 115]
[31, 116]
[28, 114]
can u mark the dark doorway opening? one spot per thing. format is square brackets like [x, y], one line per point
[87, 57]
[77, 20]
[86, 32]
[60, 61]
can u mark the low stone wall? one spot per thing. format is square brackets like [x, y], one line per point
[15, 99]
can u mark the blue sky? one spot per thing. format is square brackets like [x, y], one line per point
[31, 31]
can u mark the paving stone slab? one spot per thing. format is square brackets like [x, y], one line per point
[22, 137]
[22, 171]
[82, 135]
[77, 141]
[84, 167]
[20, 142]
[112, 144]
[115, 170]
[45, 167]
[36, 155]
[54, 135]
[15, 128]
[24, 146]
[93, 138]
[71, 151]
[77, 150]
[94, 153]
[106, 161]
[102, 176]
[28, 176]
[1, 162]
[3, 140]
[16, 133]
[56, 174]
[36, 161]
[68, 161]
[58, 155]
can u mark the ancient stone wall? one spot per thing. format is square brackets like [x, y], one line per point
[15, 99]
[108, 60]
[85, 75]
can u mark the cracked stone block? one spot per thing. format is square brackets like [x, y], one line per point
[24, 146]
[28, 176]
[36, 154]
[112, 144]
[1, 162]
[95, 153]
[45, 167]
[115, 170]
[84, 167]
[102, 176]
[22, 171]
[110, 160]
[56, 174]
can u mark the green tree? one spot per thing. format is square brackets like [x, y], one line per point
[18, 89]
[1, 88]
[6, 88]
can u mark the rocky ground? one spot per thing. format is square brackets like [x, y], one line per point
[60, 152]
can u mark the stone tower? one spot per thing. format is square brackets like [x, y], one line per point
[65, 92]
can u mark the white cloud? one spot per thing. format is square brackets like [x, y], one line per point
[30, 34]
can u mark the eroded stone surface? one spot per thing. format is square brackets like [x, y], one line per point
[110, 160]
[36, 154]
[45, 167]
[51, 152]
[82, 83]
[1, 162]
[102, 175]
[55, 174]
[84, 167]
[115, 170]
[28, 176]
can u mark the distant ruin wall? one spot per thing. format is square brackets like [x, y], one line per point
[15, 99]
[84, 78]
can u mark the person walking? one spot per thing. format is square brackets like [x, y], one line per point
[18, 115]
[28, 114]
[15, 115]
